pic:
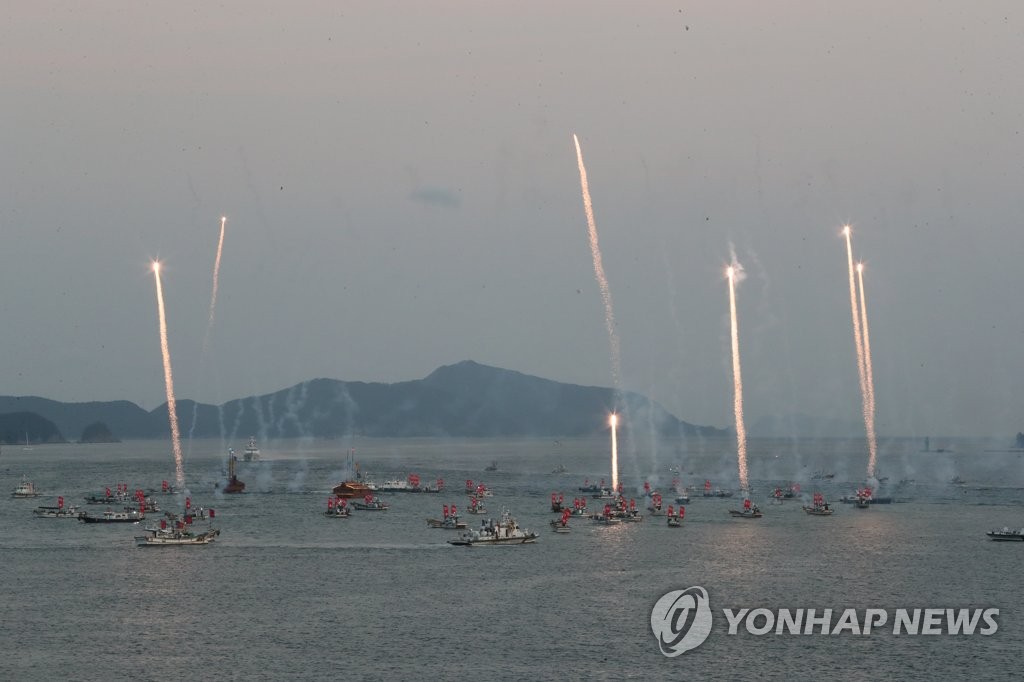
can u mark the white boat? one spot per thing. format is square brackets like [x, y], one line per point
[25, 489]
[174, 534]
[504, 531]
[560, 469]
[252, 453]
[447, 523]
[1006, 534]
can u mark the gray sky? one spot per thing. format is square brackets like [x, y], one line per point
[401, 190]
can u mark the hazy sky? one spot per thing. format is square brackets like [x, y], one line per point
[401, 190]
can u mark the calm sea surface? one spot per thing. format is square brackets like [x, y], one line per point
[286, 593]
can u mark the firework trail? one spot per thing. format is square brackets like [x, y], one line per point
[209, 325]
[868, 376]
[172, 407]
[614, 421]
[858, 342]
[737, 381]
[606, 294]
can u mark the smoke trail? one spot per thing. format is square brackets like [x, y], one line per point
[209, 326]
[734, 271]
[172, 407]
[868, 375]
[858, 343]
[606, 294]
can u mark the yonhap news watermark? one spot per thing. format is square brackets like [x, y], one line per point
[682, 620]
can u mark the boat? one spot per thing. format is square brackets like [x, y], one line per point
[589, 487]
[252, 453]
[655, 506]
[504, 531]
[822, 475]
[371, 503]
[449, 520]
[25, 489]
[818, 507]
[410, 485]
[560, 469]
[176, 533]
[557, 502]
[1006, 534]
[716, 492]
[749, 511]
[232, 486]
[561, 525]
[956, 480]
[337, 508]
[476, 505]
[603, 494]
[675, 520]
[350, 489]
[493, 466]
[111, 516]
[58, 512]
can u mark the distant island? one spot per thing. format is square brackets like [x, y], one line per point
[28, 428]
[466, 399]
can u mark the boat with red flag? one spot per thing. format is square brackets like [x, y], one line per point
[371, 503]
[749, 511]
[715, 492]
[412, 484]
[476, 505]
[59, 512]
[561, 525]
[655, 506]
[337, 508]
[818, 506]
[675, 519]
[449, 519]
[504, 531]
[176, 531]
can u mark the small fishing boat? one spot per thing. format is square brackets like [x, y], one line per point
[111, 516]
[371, 503]
[448, 521]
[557, 500]
[818, 507]
[560, 469]
[675, 519]
[175, 533]
[337, 508]
[58, 512]
[25, 489]
[562, 525]
[493, 466]
[749, 511]
[476, 505]
[1006, 535]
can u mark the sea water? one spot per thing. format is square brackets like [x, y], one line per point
[285, 593]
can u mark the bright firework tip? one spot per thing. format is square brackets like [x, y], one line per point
[846, 230]
[613, 420]
[156, 266]
[860, 267]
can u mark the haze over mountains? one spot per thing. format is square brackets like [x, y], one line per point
[464, 399]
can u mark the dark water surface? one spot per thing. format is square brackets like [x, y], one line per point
[286, 593]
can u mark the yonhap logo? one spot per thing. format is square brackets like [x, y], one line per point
[681, 620]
